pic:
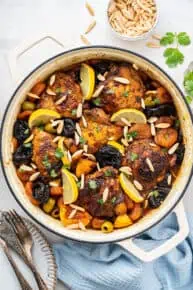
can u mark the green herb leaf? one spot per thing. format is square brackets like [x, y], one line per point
[78, 184]
[26, 131]
[189, 87]
[177, 124]
[189, 99]
[100, 201]
[132, 134]
[125, 94]
[58, 153]
[97, 101]
[82, 140]
[73, 112]
[108, 173]
[27, 145]
[53, 173]
[134, 156]
[113, 199]
[92, 184]
[168, 38]
[188, 76]
[156, 101]
[154, 193]
[46, 162]
[173, 57]
[58, 90]
[183, 38]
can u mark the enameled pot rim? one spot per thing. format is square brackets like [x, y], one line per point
[21, 84]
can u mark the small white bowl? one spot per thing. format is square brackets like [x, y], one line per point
[133, 38]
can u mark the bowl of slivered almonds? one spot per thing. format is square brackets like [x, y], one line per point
[132, 19]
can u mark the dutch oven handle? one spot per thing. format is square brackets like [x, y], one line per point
[14, 55]
[148, 256]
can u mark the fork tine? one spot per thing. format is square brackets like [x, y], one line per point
[17, 221]
[19, 218]
[9, 220]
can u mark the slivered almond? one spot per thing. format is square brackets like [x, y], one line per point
[77, 138]
[153, 131]
[124, 142]
[98, 167]
[56, 139]
[60, 127]
[173, 149]
[130, 139]
[90, 27]
[162, 125]
[52, 80]
[121, 80]
[34, 176]
[29, 139]
[82, 178]
[100, 77]
[50, 92]
[79, 208]
[85, 148]
[90, 9]
[135, 66]
[151, 93]
[72, 214]
[61, 100]
[24, 167]
[81, 226]
[33, 96]
[150, 165]
[105, 194]
[126, 122]
[77, 153]
[53, 183]
[125, 131]
[169, 179]
[73, 226]
[152, 144]
[138, 185]
[152, 120]
[79, 110]
[12, 148]
[85, 40]
[142, 103]
[78, 129]
[69, 156]
[84, 122]
[156, 36]
[153, 45]
[98, 91]
[33, 165]
[90, 156]
[126, 169]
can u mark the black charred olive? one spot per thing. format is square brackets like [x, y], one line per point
[22, 155]
[180, 154]
[101, 67]
[69, 128]
[41, 192]
[21, 130]
[109, 156]
[160, 110]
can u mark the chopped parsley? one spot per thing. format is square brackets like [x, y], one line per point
[58, 153]
[92, 184]
[125, 94]
[46, 162]
[132, 134]
[78, 184]
[97, 102]
[156, 101]
[134, 156]
[100, 201]
[154, 193]
[58, 90]
[73, 112]
[177, 124]
[113, 199]
[27, 145]
[53, 173]
[82, 140]
[26, 131]
[108, 173]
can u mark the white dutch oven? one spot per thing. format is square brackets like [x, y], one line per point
[173, 201]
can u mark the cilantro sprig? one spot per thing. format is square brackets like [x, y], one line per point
[173, 55]
[188, 85]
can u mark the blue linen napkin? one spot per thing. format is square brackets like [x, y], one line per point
[83, 266]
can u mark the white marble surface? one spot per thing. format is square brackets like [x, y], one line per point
[20, 19]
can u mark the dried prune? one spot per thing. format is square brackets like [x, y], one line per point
[154, 201]
[108, 156]
[41, 192]
[22, 155]
[54, 171]
[69, 128]
[158, 196]
[21, 130]
[101, 67]
[180, 154]
[160, 110]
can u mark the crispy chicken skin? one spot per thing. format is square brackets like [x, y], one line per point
[99, 129]
[115, 95]
[44, 152]
[64, 85]
[142, 149]
[91, 199]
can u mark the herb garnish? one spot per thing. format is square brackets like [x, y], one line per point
[78, 183]
[125, 94]
[154, 193]
[27, 145]
[82, 140]
[73, 112]
[113, 199]
[92, 184]
[58, 153]
[188, 85]
[97, 102]
[46, 162]
[53, 173]
[132, 134]
[58, 90]
[134, 156]
[26, 131]
[108, 173]
[100, 201]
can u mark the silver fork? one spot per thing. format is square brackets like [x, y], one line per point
[26, 240]
[24, 284]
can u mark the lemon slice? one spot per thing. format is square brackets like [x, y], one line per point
[130, 189]
[42, 116]
[64, 159]
[131, 115]
[70, 189]
[87, 76]
[118, 146]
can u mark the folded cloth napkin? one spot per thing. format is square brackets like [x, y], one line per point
[83, 266]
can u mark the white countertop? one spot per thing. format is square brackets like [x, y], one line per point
[20, 19]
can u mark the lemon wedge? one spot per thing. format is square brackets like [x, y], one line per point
[118, 146]
[64, 159]
[42, 116]
[70, 189]
[131, 115]
[130, 189]
[87, 76]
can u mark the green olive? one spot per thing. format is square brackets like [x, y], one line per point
[28, 106]
[107, 227]
[48, 128]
